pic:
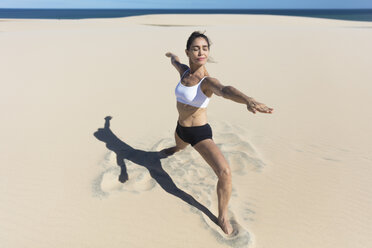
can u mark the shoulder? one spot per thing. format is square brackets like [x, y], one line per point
[182, 70]
[212, 85]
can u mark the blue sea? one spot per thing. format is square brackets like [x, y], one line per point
[341, 14]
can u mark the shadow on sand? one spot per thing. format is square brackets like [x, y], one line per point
[148, 159]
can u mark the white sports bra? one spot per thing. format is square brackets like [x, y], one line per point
[191, 95]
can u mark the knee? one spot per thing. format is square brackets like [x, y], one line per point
[224, 174]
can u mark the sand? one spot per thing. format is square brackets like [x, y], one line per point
[301, 176]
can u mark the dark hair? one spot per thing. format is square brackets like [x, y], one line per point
[193, 36]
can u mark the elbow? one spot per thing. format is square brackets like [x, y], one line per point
[227, 91]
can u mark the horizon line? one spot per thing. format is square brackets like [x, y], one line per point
[203, 8]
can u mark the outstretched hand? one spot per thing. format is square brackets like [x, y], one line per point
[169, 54]
[254, 106]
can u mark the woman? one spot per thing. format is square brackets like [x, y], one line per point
[193, 93]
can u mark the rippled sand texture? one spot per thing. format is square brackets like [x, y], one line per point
[301, 176]
[184, 171]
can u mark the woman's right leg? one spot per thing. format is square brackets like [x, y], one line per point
[180, 144]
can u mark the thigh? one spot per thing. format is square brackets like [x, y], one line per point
[212, 155]
[179, 142]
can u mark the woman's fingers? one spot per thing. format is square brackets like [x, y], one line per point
[255, 106]
[263, 108]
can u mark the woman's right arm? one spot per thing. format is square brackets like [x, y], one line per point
[181, 68]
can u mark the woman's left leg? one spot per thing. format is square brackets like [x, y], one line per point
[214, 157]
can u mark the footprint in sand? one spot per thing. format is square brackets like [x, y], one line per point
[107, 182]
[192, 174]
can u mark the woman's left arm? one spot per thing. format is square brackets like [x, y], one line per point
[230, 92]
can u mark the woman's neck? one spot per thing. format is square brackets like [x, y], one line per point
[197, 69]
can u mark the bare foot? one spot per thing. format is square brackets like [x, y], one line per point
[225, 225]
[168, 152]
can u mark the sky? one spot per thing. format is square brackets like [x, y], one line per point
[189, 4]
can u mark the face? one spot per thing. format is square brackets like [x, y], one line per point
[199, 51]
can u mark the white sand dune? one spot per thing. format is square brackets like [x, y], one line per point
[301, 176]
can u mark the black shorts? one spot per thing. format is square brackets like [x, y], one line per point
[193, 135]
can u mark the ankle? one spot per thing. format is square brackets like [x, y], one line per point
[223, 218]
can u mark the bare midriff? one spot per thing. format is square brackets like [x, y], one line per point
[190, 116]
